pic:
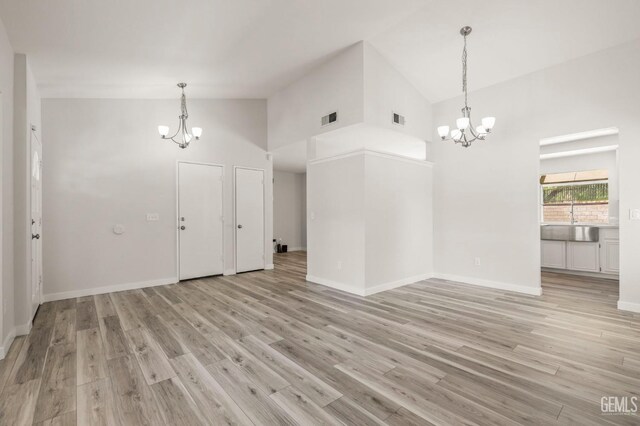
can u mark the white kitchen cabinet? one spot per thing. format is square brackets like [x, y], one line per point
[554, 254]
[583, 256]
[610, 256]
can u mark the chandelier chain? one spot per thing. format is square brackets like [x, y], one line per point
[464, 71]
[184, 105]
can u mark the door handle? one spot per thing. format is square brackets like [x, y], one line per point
[183, 227]
[239, 226]
[35, 236]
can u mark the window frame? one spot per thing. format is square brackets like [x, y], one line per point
[586, 182]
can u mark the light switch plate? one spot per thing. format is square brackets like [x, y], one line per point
[634, 214]
[152, 217]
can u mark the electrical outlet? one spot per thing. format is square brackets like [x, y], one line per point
[477, 261]
[339, 264]
[634, 214]
[153, 217]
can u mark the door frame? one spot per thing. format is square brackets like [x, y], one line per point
[177, 217]
[33, 135]
[235, 217]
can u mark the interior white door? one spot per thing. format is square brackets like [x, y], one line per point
[36, 222]
[200, 220]
[249, 188]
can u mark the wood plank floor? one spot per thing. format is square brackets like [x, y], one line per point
[267, 348]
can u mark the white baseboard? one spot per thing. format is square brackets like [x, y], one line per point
[296, 249]
[229, 272]
[395, 284]
[24, 329]
[349, 288]
[108, 289]
[628, 306]
[491, 284]
[269, 266]
[6, 344]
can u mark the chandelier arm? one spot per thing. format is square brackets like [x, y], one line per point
[472, 131]
[176, 133]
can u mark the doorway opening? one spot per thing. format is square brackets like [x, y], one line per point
[579, 211]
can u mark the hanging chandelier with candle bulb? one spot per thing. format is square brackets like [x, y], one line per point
[465, 133]
[182, 137]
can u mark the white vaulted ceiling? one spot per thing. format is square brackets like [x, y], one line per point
[510, 38]
[222, 48]
[253, 48]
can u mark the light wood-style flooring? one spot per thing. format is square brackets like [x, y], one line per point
[268, 348]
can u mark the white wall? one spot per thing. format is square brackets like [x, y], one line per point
[399, 220]
[387, 91]
[365, 89]
[486, 196]
[290, 209]
[27, 112]
[337, 85]
[105, 164]
[369, 221]
[7, 323]
[335, 222]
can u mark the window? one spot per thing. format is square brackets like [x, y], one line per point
[575, 197]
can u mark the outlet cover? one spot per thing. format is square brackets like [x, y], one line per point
[634, 214]
[153, 217]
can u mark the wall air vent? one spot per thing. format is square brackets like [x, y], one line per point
[397, 118]
[329, 118]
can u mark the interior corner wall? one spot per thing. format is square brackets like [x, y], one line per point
[386, 91]
[7, 323]
[337, 85]
[399, 221]
[370, 222]
[27, 112]
[487, 195]
[105, 165]
[335, 223]
[289, 209]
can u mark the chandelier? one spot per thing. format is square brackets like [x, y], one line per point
[182, 136]
[465, 133]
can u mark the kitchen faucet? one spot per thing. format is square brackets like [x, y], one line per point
[573, 218]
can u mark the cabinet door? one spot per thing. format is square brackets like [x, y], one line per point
[583, 256]
[610, 256]
[554, 254]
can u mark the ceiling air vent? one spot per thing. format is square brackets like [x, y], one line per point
[397, 118]
[329, 118]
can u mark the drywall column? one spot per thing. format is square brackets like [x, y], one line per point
[369, 221]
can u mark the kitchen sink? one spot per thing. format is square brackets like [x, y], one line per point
[588, 233]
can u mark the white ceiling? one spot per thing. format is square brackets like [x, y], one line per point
[252, 48]
[222, 48]
[510, 38]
